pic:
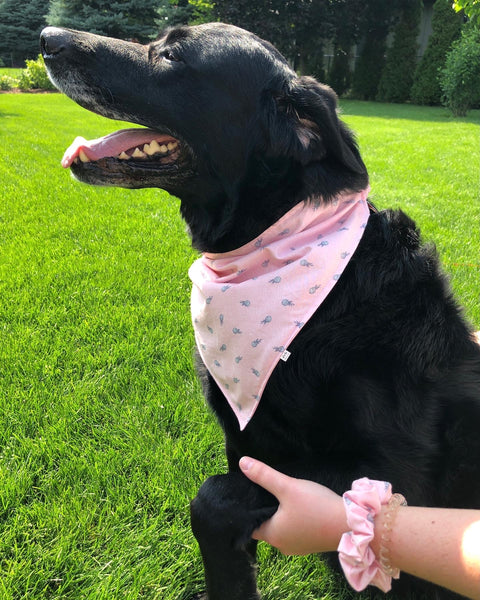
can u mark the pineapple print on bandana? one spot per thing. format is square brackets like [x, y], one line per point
[249, 304]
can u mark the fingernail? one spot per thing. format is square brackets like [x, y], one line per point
[245, 463]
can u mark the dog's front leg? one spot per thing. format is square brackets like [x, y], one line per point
[223, 515]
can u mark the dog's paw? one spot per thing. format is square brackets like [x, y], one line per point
[200, 596]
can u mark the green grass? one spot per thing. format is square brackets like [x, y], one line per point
[104, 436]
[11, 72]
[427, 163]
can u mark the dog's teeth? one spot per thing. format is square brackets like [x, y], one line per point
[137, 153]
[153, 148]
[149, 150]
[83, 157]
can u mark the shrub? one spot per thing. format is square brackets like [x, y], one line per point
[7, 83]
[460, 78]
[24, 82]
[446, 26]
[35, 76]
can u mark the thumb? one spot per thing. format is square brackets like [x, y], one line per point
[263, 475]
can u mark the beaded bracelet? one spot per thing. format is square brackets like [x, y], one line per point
[359, 563]
[395, 502]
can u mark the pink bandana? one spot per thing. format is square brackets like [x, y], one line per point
[249, 304]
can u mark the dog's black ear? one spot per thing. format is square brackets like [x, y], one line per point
[304, 125]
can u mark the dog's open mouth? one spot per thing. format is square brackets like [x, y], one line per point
[135, 145]
[137, 157]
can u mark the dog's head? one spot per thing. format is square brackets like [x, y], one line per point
[227, 125]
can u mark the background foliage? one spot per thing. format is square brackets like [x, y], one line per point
[20, 26]
[127, 19]
[470, 7]
[460, 79]
[445, 30]
[34, 76]
[401, 57]
[365, 49]
[377, 22]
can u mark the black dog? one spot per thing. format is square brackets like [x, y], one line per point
[383, 380]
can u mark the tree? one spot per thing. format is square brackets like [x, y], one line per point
[446, 26]
[470, 7]
[345, 17]
[202, 11]
[295, 27]
[20, 26]
[375, 23]
[269, 19]
[175, 12]
[397, 77]
[184, 12]
[126, 19]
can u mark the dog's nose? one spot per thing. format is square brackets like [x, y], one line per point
[53, 40]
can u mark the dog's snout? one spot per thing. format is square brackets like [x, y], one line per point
[53, 41]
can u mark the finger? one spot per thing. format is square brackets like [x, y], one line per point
[270, 479]
[269, 532]
[261, 533]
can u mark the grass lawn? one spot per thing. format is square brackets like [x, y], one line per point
[104, 437]
[11, 72]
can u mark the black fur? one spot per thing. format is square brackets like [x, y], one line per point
[384, 380]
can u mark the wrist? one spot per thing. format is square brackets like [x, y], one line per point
[338, 525]
[377, 536]
[383, 543]
[364, 503]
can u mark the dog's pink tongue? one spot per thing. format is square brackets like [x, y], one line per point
[112, 144]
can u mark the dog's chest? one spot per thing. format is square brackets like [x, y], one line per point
[249, 304]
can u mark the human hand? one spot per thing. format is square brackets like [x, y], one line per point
[310, 518]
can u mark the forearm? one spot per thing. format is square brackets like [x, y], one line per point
[439, 545]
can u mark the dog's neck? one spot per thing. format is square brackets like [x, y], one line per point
[250, 303]
[226, 217]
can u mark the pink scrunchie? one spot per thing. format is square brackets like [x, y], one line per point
[359, 563]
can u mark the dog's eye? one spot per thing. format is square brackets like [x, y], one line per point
[169, 55]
